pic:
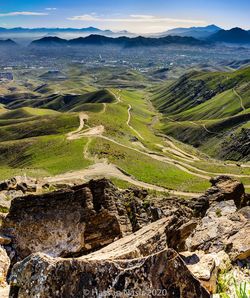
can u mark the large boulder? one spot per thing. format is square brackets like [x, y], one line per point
[150, 239]
[163, 274]
[222, 228]
[66, 223]
[223, 188]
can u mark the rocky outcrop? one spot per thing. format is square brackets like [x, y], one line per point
[150, 239]
[223, 188]
[92, 238]
[85, 218]
[223, 228]
[142, 209]
[163, 274]
[66, 223]
[4, 266]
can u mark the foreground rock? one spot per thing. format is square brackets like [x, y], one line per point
[223, 228]
[19, 183]
[151, 239]
[92, 238]
[65, 223]
[84, 218]
[163, 274]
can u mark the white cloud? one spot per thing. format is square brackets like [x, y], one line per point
[51, 8]
[85, 17]
[133, 18]
[22, 13]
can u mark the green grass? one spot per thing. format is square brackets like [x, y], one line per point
[222, 105]
[46, 125]
[48, 155]
[62, 102]
[26, 113]
[121, 183]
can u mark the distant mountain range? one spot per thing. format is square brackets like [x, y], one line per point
[61, 32]
[196, 32]
[95, 36]
[47, 30]
[99, 40]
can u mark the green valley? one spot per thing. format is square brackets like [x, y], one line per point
[117, 132]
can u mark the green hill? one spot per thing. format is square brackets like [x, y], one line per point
[208, 111]
[63, 102]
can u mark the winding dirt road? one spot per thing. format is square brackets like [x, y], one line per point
[240, 98]
[131, 127]
[109, 170]
[74, 134]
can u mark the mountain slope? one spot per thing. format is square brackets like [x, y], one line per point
[205, 109]
[7, 42]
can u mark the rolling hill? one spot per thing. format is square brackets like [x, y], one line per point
[58, 102]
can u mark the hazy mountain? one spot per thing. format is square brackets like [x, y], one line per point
[20, 32]
[47, 30]
[99, 40]
[7, 42]
[234, 35]
[196, 32]
[50, 41]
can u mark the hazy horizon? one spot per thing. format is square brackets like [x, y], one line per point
[140, 17]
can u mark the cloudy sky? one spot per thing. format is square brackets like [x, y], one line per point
[140, 16]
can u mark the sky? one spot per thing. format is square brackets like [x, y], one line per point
[138, 16]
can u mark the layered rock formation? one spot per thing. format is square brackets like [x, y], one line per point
[163, 274]
[92, 239]
[66, 223]
[136, 265]
[223, 228]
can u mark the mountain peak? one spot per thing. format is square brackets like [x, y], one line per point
[234, 35]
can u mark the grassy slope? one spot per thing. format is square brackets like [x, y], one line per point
[206, 110]
[41, 156]
[196, 87]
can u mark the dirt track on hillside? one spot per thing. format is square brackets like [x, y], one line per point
[111, 170]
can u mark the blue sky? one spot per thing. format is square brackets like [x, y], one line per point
[140, 16]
